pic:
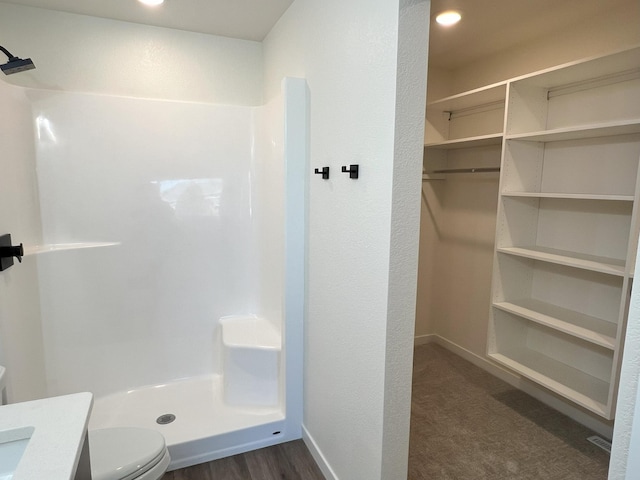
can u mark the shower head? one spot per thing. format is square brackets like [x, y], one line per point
[15, 64]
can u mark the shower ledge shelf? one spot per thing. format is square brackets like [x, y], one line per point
[59, 247]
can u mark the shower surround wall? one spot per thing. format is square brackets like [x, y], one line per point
[20, 328]
[160, 193]
[159, 218]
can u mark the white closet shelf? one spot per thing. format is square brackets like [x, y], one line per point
[588, 328]
[583, 70]
[623, 127]
[576, 385]
[481, 96]
[432, 176]
[611, 266]
[571, 196]
[469, 142]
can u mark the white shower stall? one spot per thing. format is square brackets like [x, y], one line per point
[159, 219]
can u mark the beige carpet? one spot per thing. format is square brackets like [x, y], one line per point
[468, 425]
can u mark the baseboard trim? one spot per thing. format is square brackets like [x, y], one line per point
[478, 361]
[317, 455]
[601, 427]
[424, 339]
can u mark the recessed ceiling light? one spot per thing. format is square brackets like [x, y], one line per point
[448, 18]
[152, 3]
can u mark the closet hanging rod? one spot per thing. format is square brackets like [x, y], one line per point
[469, 170]
[463, 112]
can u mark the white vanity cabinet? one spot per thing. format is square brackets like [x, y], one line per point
[46, 438]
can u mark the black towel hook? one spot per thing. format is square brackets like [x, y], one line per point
[353, 170]
[324, 172]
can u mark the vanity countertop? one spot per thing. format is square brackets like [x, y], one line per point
[59, 430]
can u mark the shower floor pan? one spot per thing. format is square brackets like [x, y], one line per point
[205, 427]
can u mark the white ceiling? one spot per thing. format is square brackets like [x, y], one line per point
[487, 26]
[247, 19]
[490, 26]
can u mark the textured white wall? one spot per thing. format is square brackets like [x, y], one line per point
[20, 329]
[626, 433]
[413, 39]
[78, 53]
[439, 81]
[456, 255]
[348, 52]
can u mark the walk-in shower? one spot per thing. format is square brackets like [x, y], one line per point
[165, 286]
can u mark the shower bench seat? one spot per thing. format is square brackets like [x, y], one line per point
[251, 352]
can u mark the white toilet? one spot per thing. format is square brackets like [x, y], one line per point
[127, 453]
[123, 453]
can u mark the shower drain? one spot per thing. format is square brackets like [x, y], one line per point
[166, 418]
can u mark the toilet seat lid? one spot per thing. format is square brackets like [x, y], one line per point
[122, 453]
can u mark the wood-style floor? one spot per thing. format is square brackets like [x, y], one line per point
[287, 461]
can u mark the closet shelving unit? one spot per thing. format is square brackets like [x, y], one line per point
[464, 132]
[567, 227]
[567, 224]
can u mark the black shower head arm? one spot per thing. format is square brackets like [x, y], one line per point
[15, 64]
[7, 53]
